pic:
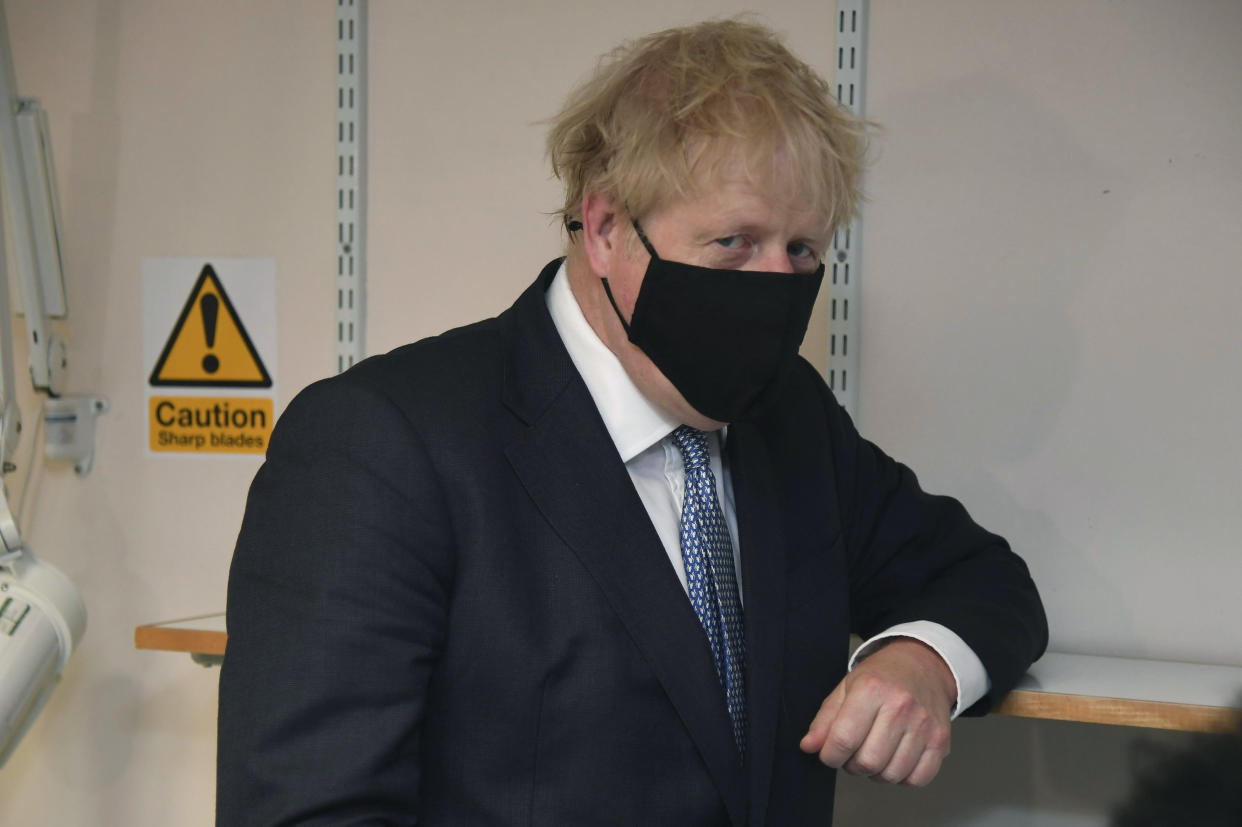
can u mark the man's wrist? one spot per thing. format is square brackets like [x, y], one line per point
[932, 664]
[970, 676]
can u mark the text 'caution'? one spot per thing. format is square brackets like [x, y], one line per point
[210, 424]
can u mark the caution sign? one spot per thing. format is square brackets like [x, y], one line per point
[209, 424]
[209, 344]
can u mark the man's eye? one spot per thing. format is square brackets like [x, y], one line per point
[731, 242]
[799, 250]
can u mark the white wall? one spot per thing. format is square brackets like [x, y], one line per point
[1061, 358]
[461, 195]
[1051, 298]
[1050, 331]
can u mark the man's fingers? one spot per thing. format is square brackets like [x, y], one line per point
[904, 759]
[897, 753]
[848, 728]
[925, 770]
[817, 732]
[876, 753]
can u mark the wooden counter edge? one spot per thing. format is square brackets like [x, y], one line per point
[1022, 703]
[1025, 703]
[194, 641]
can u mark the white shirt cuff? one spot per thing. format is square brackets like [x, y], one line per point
[968, 672]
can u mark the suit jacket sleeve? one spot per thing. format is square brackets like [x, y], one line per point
[337, 601]
[917, 556]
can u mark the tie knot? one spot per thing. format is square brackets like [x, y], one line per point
[693, 446]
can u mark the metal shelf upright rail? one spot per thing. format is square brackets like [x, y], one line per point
[844, 288]
[351, 97]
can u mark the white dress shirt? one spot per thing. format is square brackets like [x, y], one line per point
[642, 434]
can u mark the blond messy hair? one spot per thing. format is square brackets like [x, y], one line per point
[676, 110]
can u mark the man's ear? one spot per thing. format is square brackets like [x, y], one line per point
[602, 239]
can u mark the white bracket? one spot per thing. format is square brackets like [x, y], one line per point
[844, 288]
[70, 429]
[351, 296]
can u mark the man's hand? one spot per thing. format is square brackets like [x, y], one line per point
[889, 718]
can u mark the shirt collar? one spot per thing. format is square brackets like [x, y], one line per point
[632, 421]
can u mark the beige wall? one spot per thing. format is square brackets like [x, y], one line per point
[1015, 331]
[179, 128]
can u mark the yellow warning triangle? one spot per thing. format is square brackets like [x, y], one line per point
[208, 344]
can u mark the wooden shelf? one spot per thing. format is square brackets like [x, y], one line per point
[202, 636]
[1193, 697]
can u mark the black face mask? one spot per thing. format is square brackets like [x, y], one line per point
[726, 339]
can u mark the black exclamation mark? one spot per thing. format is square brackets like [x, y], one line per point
[210, 307]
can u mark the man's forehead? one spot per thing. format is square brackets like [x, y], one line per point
[730, 181]
[738, 202]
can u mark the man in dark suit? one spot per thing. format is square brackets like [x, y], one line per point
[596, 561]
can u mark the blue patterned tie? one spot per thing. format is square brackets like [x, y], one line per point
[711, 580]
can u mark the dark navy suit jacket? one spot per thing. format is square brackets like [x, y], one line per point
[448, 606]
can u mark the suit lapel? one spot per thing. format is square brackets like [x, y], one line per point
[763, 583]
[571, 470]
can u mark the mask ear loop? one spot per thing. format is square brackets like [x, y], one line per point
[643, 237]
[608, 290]
[573, 226]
